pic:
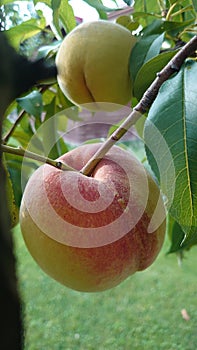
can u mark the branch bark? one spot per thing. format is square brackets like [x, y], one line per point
[144, 104]
[11, 331]
[17, 75]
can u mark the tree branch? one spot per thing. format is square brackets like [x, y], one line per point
[24, 73]
[27, 154]
[11, 332]
[144, 104]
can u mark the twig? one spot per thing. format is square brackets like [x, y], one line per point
[144, 104]
[27, 154]
[11, 131]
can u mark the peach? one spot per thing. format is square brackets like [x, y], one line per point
[91, 233]
[93, 65]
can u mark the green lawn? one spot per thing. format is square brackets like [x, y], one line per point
[143, 313]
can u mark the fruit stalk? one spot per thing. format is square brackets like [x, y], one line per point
[144, 104]
[118, 133]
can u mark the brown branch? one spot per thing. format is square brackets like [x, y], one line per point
[144, 104]
[27, 154]
[12, 129]
[11, 333]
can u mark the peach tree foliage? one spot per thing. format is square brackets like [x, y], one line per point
[162, 28]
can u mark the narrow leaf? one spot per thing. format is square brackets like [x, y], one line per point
[55, 4]
[49, 132]
[99, 6]
[145, 49]
[195, 4]
[147, 6]
[171, 140]
[13, 209]
[5, 2]
[150, 8]
[154, 47]
[173, 28]
[67, 16]
[148, 71]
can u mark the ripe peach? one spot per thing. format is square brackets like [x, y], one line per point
[93, 65]
[90, 233]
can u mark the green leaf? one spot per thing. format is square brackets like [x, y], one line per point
[25, 30]
[148, 71]
[99, 6]
[129, 2]
[48, 132]
[14, 165]
[32, 103]
[49, 94]
[55, 4]
[174, 28]
[147, 19]
[5, 2]
[145, 49]
[62, 99]
[21, 137]
[155, 27]
[127, 22]
[141, 14]
[13, 208]
[175, 234]
[67, 16]
[195, 4]
[63, 14]
[154, 47]
[146, 6]
[171, 140]
[6, 126]
[177, 237]
[171, 2]
[48, 51]
[102, 14]
[149, 9]
[46, 2]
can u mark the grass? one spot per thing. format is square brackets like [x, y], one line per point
[142, 313]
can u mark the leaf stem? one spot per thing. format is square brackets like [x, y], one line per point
[144, 104]
[170, 11]
[27, 154]
[187, 8]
